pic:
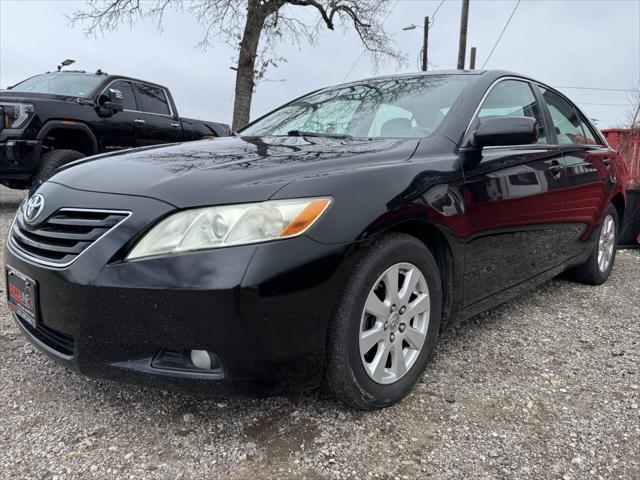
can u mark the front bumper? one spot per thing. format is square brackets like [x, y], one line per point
[19, 158]
[262, 309]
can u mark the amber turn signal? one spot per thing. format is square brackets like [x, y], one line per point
[306, 218]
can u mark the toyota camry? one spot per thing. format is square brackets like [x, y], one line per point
[328, 243]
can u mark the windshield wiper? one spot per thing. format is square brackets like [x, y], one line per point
[301, 133]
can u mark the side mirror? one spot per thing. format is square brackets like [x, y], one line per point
[111, 102]
[505, 131]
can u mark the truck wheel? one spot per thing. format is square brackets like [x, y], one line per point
[51, 161]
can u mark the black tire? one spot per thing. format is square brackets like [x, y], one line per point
[51, 161]
[345, 374]
[589, 272]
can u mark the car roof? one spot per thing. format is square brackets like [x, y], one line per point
[493, 74]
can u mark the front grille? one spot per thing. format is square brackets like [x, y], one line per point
[67, 233]
[58, 341]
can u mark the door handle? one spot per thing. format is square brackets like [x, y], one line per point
[139, 120]
[555, 170]
[606, 161]
[174, 124]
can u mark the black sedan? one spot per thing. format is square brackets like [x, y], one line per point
[329, 242]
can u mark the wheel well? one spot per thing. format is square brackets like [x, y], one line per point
[439, 247]
[69, 139]
[618, 202]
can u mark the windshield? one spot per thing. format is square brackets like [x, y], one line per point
[70, 84]
[408, 107]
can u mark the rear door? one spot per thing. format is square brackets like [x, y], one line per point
[514, 199]
[118, 131]
[589, 179]
[156, 121]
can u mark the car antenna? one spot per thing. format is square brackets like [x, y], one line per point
[65, 63]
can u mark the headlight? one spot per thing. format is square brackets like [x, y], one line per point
[15, 115]
[214, 227]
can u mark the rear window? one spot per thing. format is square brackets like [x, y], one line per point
[152, 99]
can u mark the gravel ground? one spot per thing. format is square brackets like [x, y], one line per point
[545, 386]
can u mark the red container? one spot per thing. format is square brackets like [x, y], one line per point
[628, 145]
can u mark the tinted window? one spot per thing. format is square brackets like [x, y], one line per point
[513, 98]
[152, 99]
[128, 99]
[72, 84]
[570, 128]
[408, 107]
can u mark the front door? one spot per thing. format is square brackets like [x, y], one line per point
[118, 131]
[514, 201]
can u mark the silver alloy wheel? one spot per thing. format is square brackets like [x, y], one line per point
[606, 243]
[394, 323]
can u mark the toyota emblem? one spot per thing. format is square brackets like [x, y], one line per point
[34, 208]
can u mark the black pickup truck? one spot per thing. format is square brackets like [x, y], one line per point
[54, 118]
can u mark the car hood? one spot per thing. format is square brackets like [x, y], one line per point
[228, 170]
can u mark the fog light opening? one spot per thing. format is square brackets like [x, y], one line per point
[195, 361]
[200, 359]
[204, 360]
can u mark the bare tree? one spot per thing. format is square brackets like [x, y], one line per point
[254, 28]
[633, 114]
[630, 126]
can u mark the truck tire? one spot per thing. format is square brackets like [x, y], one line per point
[50, 162]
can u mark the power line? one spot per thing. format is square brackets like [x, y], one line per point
[598, 88]
[501, 33]
[437, 8]
[362, 53]
[433, 15]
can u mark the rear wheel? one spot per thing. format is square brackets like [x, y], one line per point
[51, 161]
[386, 324]
[598, 266]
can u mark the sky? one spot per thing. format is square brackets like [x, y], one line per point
[564, 43]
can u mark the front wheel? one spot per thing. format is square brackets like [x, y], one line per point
[50, 162]
[386, 323]
[598, 266]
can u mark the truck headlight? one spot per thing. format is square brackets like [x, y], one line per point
[15, 115]
[215, 227]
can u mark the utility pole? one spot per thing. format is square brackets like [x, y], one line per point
[472, 60]
[425, 44]
[462, 48]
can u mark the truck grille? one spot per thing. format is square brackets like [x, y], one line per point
[63, 236]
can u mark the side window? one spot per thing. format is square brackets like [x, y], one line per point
[388, 118]
[588, 133]
[570, 128]
[152, 99]
[513, 98]
[128, 98]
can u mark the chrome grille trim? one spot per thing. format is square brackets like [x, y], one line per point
[46, 230]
